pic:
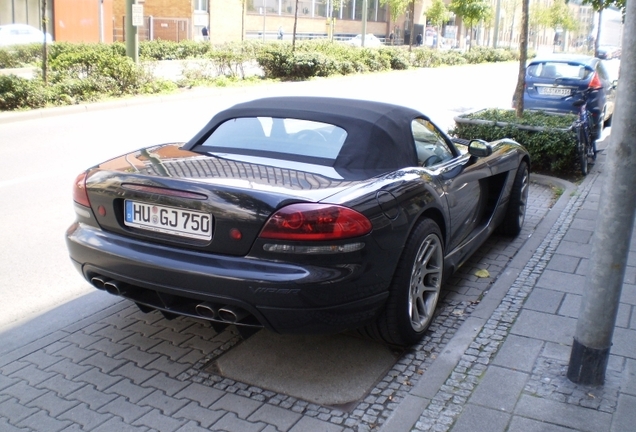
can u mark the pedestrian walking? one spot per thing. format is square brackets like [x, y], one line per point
[204, 32]
[280, 33]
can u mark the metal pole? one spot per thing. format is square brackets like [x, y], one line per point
[132, 39]
[264, 15]
[610, 243]
[100, 13]
[364, 20]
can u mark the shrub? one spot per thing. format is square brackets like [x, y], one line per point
[547, 137]
[19, 93]
[490, 55]
[453, 58]
[113, 73]
[8, 60]
[170, 50]
[74, 91]
[325, 58]
[399, 59]
[230, 58]
[426, 57]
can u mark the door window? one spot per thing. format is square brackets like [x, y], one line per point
[430, 144]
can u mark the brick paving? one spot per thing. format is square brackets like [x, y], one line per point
[126, 370]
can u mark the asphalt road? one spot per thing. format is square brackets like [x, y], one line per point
[42, 156]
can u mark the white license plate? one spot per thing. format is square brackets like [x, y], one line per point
[554, 91]
[168, 220]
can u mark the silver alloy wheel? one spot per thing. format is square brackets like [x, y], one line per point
[426, 282]
[523, 197]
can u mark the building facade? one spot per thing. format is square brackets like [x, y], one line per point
[235, 20]
[67, 20]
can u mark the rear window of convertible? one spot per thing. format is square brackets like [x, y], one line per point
[277, 137]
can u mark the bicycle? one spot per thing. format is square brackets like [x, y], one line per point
[586, 140]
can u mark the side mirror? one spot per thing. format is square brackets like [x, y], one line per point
[479, 148]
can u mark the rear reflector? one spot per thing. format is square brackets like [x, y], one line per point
[313, 222]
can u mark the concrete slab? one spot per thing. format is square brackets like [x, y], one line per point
[326, 370]
[545, 327]
[520, 424]
[499, 389]
[573, 417]
[519, 353]
[476, 418]
[625, 416]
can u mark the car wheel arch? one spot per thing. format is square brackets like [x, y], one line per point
[436, 216]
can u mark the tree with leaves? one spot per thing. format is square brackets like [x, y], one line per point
[560, 16]
[599, 6]
[537, 20]
[437, 14]
[397, 8]
[471, 12]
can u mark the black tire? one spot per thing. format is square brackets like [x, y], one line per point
[415, 289]
[518, 202]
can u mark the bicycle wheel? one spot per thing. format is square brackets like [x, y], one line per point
[582, 148]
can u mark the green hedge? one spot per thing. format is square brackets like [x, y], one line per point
[552, 145]
[89, 72]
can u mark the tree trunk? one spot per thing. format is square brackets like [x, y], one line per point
[523, 58]
[242, 21]
[45, 54]
[295, 25]
[412, 25]
[597, 42]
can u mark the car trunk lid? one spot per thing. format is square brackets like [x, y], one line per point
[181, 198]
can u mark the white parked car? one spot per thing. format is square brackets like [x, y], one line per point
[369, 41]
[19, 34]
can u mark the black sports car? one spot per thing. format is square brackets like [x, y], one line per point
[298, 214]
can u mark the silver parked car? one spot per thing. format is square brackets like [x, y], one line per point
[20, 34]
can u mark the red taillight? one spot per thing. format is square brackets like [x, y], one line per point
[80, 195]
[595, 82]
[315, 222]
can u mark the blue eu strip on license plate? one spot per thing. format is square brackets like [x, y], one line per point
[168, 220]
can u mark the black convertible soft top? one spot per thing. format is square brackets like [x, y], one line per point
[379, 137]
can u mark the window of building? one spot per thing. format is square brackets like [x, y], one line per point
[201, 5]
[340, 9]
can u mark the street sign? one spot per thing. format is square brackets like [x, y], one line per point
[138, 15]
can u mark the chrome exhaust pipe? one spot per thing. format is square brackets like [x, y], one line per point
[232, 314]
[206, 310]
[98, 282]
[112, 287]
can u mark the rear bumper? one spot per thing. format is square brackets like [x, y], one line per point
[283, 297]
